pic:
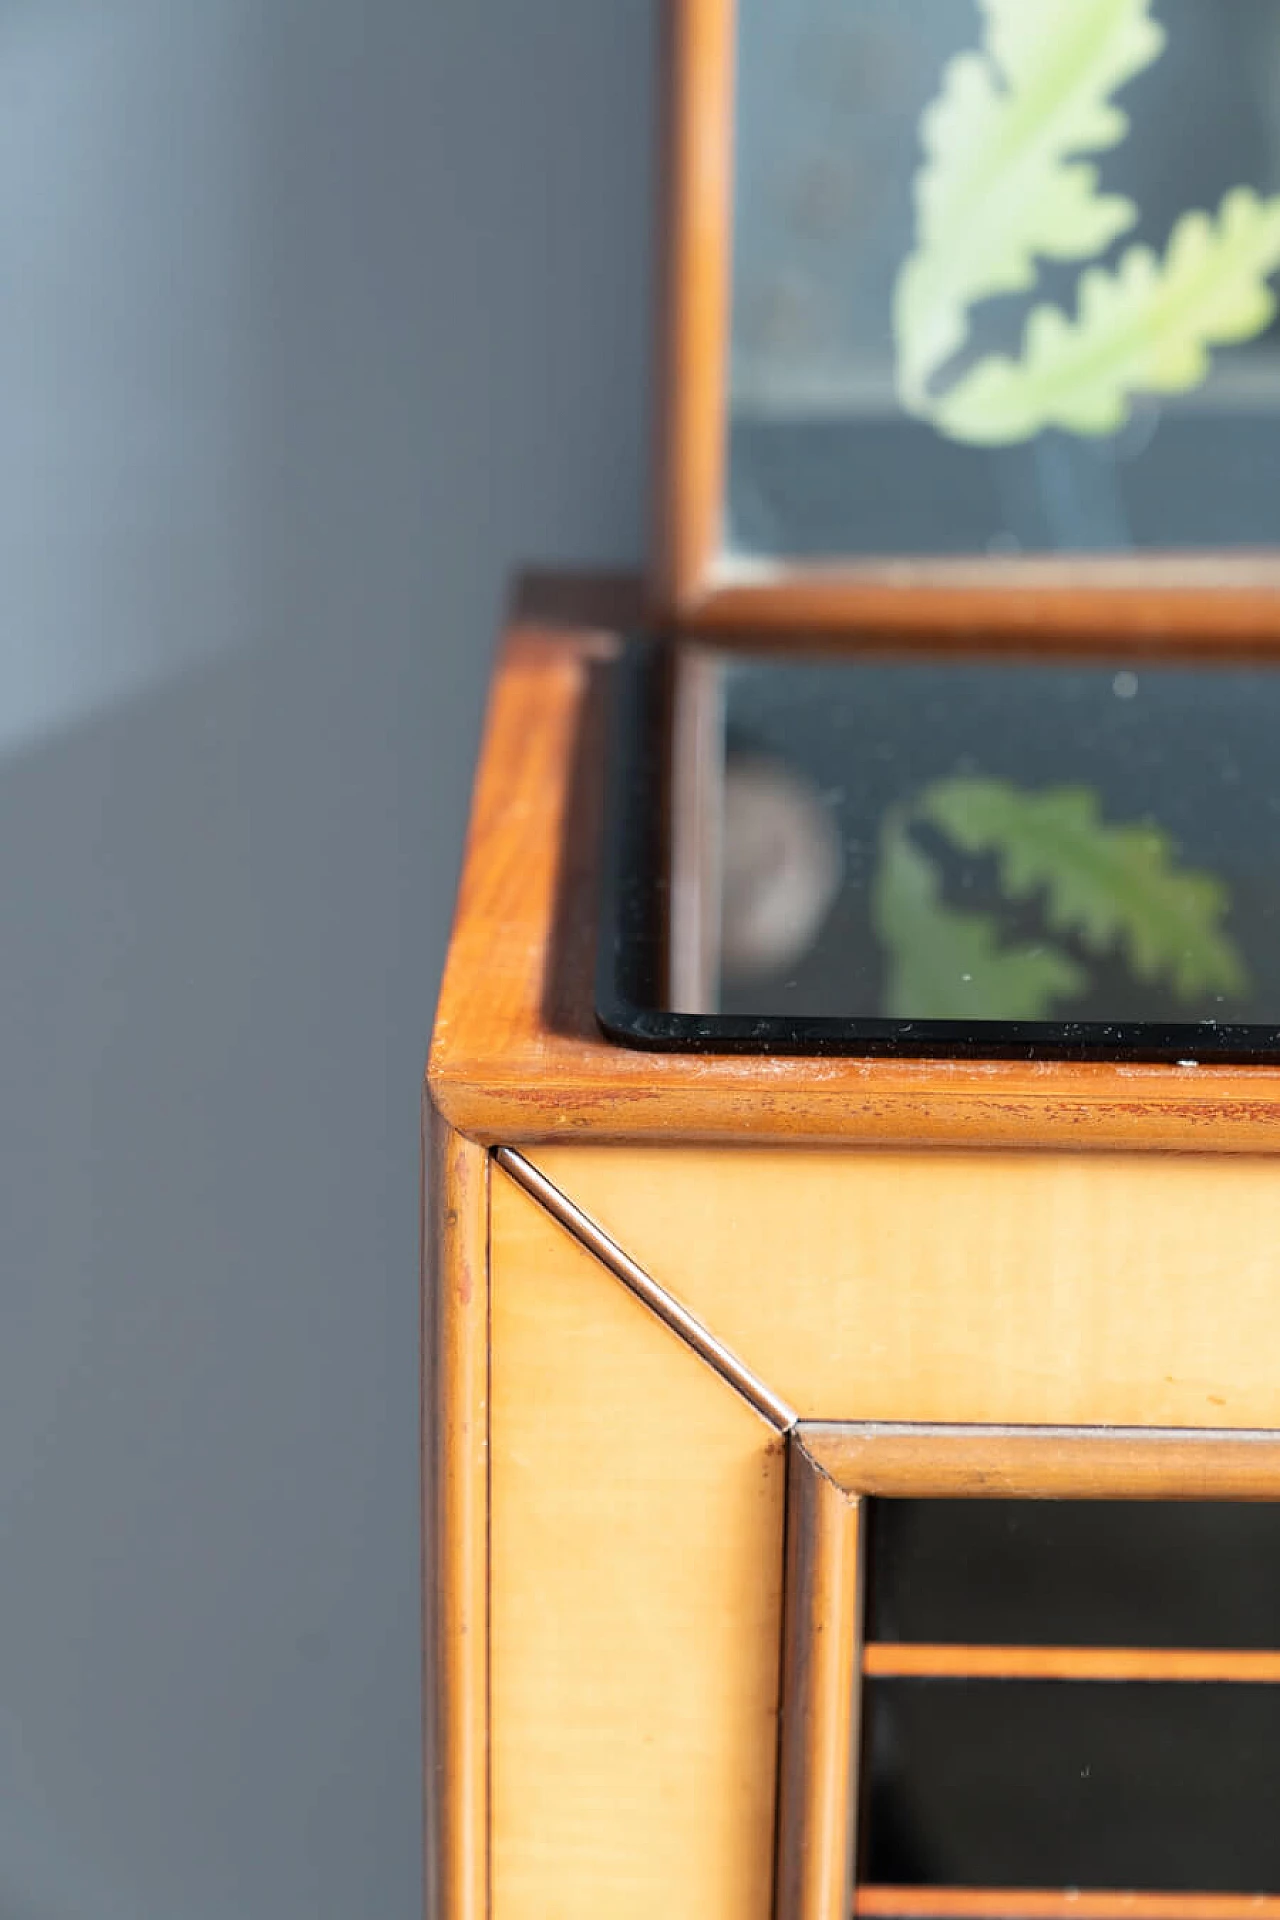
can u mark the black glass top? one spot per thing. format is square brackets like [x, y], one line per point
[939, 857]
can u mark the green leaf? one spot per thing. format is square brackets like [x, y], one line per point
[1109, 885]
[1002, 181]
[1147, 327]
[946, 965]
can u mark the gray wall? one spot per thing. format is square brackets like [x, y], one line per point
[313, 318]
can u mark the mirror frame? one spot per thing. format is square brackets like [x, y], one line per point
[1190, 602]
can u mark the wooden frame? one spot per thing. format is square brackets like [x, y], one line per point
[833, 1469]
[455, 1542]
[666, 1180]
[1165, 602]
[518, 1056]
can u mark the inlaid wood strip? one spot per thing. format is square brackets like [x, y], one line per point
[885, 1660]
[820, 1695]
[455, 1532]
[985, 1903]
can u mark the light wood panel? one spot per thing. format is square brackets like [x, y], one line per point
[455, 1569]
[1054, 1289]
[518, 1057]
[637, 1526]
[821, 1695]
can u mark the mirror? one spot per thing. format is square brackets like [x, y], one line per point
[1004, 279]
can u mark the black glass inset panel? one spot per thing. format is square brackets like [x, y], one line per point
[1011, 842]
[1075, 1573]
[1072, 1784]
[953, 860]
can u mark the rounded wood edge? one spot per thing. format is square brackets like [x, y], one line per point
[1062, 1463]
[1220, 609]
[822, 1614]
[886, 1660]
[455, 1553]
[694, 277]
[982, 1903]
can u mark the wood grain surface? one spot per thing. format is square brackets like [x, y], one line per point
[455, 1573]
[1025, 1289]
[637, 1545]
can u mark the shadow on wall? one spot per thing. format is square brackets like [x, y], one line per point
[312, 319]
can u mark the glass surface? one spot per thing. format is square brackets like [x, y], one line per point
[921, 186]
[1075, 1573]
[1083, 1784]
[983, 844]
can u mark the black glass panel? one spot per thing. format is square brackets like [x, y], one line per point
[1080, 1784]
[1075, 1573]
[979, 861]
[1001, 843]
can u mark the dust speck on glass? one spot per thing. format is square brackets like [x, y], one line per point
[1005, 277]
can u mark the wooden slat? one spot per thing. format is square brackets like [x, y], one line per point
[1030, 1463]
[820, 1696]
[1196, 606]
[981, 1903]
[1037, 1289]
[694, 327]
[455, 1531]
[886, 1660]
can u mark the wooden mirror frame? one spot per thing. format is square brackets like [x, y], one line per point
[832, 1470]
[1165, 602]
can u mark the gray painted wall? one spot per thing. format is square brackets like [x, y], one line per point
[313, 318]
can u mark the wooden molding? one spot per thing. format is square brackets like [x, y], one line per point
[883, 1660]
[697, 204]
[455, 1581]
[990, 1903]
[518, 1056]
[822, 1611]
[1174, 603]
[1029, 1463]
[832, 1468]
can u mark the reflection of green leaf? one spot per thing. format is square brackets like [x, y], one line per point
[945, 965]
[1147, 327]
[1109, 885]
[1002, 180]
